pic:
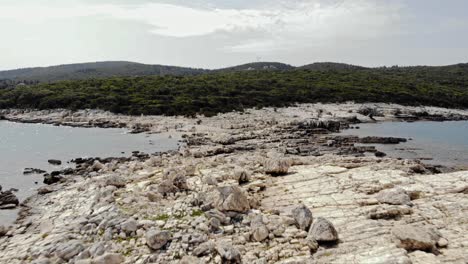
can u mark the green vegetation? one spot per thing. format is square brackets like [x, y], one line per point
[227, 91]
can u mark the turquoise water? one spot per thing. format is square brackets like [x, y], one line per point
[443, 143]
[31, 145]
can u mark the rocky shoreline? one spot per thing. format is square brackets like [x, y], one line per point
[261, 186]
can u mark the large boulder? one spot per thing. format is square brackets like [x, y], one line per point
[395, 196]
[323, 230]
[157, 239]
[232, 198]
[303, 217]
[414, 238]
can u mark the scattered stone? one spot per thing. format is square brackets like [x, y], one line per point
[69, 249]
[414, 238]
[232, 198]
[258, 229]
[228, 253]
[44, 190]
[115, 180]
[303, 217]
[156, 239]
[130, 226]
[395, 196]
[276, 167]
[205, 248]
[109, 258]
[323, 230]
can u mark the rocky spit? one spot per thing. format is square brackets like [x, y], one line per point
[261, 186]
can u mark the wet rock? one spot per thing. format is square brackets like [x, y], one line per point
[55, 162]
[157, 239]
[232, 198]
[323, 230]
[3, 230]
[303, 217]
[381, 140]
[52, 178]
[33, 171]
[395, 196]
[8, 198]
[414, 238]
[258, 229]
[276, 167]
[228, 253]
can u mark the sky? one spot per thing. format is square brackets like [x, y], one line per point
[221, 33]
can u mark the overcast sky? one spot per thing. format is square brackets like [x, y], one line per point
[219, 33]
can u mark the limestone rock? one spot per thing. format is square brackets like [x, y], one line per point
[323, 230]
[232, 198]
[276, 167]
[396, 196]
[414, 238]
[69, 249]
[204, 248]
[109, 258]
[130, 225]
[228, 253]
[303, 217]
[115, 180]
[258, 229]
[156, 239]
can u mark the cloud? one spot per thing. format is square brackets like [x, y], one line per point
[282, 25]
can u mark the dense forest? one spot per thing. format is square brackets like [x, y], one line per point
[236, 90]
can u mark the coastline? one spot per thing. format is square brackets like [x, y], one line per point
[108, 209]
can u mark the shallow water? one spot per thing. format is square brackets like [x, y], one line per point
[31, 145]
[438, 143]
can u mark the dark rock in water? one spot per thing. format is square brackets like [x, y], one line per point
[380, 154]
[55, 162]
[51, 179]
[33, 171]
[8, 198]
[381, 140]
[55, 173]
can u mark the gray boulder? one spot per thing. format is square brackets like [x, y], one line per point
[323, 230]
[69, 249]
[414, 238]
[258, 229]
[156, 239]
[396, 196]
[232, 198]
[228, 253]
[204, 249]
[276, 167]
[303, 217]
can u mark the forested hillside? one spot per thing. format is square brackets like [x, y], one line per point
[82, 71]
[226, 91]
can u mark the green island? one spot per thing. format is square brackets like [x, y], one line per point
[223, 91]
